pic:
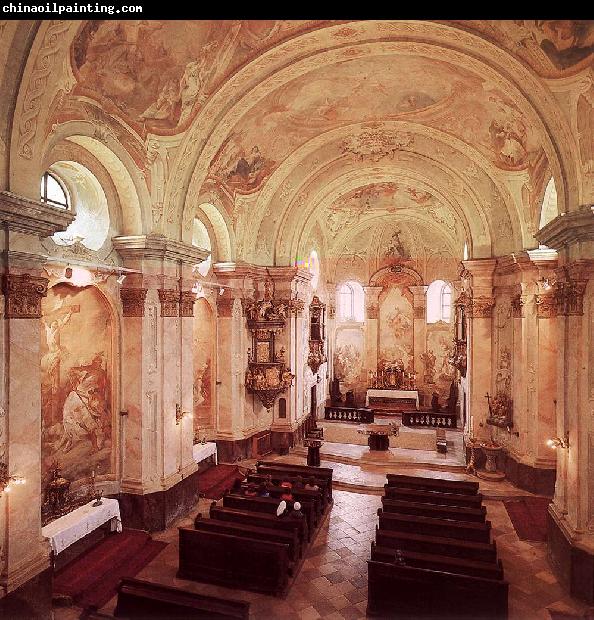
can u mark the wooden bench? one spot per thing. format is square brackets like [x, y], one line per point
[299, 495]
[448, 564]
[463, 530]
[462, 487]
[268, 505]
[277, 479]
[287, 537]
[143, 599]
[233, 561]
[482, 552]
[403, 592]
[305, 471]
[433, 497]
[262, 520]
[458, 513]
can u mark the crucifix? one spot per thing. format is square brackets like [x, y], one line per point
[488, 397]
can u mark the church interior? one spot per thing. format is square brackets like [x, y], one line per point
[298, 319]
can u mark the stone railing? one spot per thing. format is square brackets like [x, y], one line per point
[429, 418]
[357, 415]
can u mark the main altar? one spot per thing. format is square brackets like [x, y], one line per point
[392, 384]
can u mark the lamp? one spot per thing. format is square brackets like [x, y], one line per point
[558, 442]
[6, 481]
[121, 278]
[181, 415]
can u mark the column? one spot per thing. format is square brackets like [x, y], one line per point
[157, 378]
[24, 553]
[419, 328]
[480, 309]
[372, 294]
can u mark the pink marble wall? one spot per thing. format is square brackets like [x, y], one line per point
[76, 370]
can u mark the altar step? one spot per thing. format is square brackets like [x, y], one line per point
[351, 454]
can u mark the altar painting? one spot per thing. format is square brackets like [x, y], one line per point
[396, 329]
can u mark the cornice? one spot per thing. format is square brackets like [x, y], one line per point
[31, 216]
[158, 247]
[568, 228]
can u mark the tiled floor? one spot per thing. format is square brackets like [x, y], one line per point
[332, 582]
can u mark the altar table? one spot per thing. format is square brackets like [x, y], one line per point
[66, 530]
[392, 394]
[201, 451]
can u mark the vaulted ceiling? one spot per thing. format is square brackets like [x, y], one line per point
[282, 136]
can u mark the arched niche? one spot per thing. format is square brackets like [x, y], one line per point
[204, 354]
[78, 383]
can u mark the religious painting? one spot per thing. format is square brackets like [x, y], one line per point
[203, 348]
[348, 357]
[396, 328]
[158, 74]
[439, 373]
[76, 390]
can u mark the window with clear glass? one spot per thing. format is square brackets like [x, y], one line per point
[53, 191]
[351, 302]
[439, 302]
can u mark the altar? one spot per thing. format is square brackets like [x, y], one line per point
[75, 525]
[388, 395]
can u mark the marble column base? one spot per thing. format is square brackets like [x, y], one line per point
[573, 566]
[157, 511]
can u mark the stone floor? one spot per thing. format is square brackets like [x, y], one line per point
[332, 581]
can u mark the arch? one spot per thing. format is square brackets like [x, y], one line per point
[219, 230]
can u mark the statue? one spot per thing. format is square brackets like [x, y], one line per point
[435, 406]
[335, 393]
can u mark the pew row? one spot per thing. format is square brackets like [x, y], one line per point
[433, 497]
[463, 530]
[448, 564]
[404, 591]
[143, 599]
[233, 561]
[289, 538]
[267, 505]
[461, 487]
[305, 471]
[406, 541]
[261, 520]
[435, 510]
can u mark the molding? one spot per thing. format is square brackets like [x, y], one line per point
[31, 216]
[157, 247]
[568, 228]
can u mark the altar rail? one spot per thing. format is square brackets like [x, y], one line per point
[429, 418]
[357, 415]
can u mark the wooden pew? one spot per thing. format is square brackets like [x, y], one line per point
[403, 592]
[447, 528]
[233, 561]
[277, 479]
[461, 487]
[262, 520]
[289, 538]
[448, 564]
[299, 470]
[482, 552]
[143, 599]
[458, 513]
[267, 505]
[433, 497]
[299, 495]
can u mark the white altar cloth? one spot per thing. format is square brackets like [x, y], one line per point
[408, 394]
[66, 530]
[201, 451]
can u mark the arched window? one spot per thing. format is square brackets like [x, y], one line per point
[439, 302]
[54, 192]
[351, 302]
[314, 269]
[549, 210]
